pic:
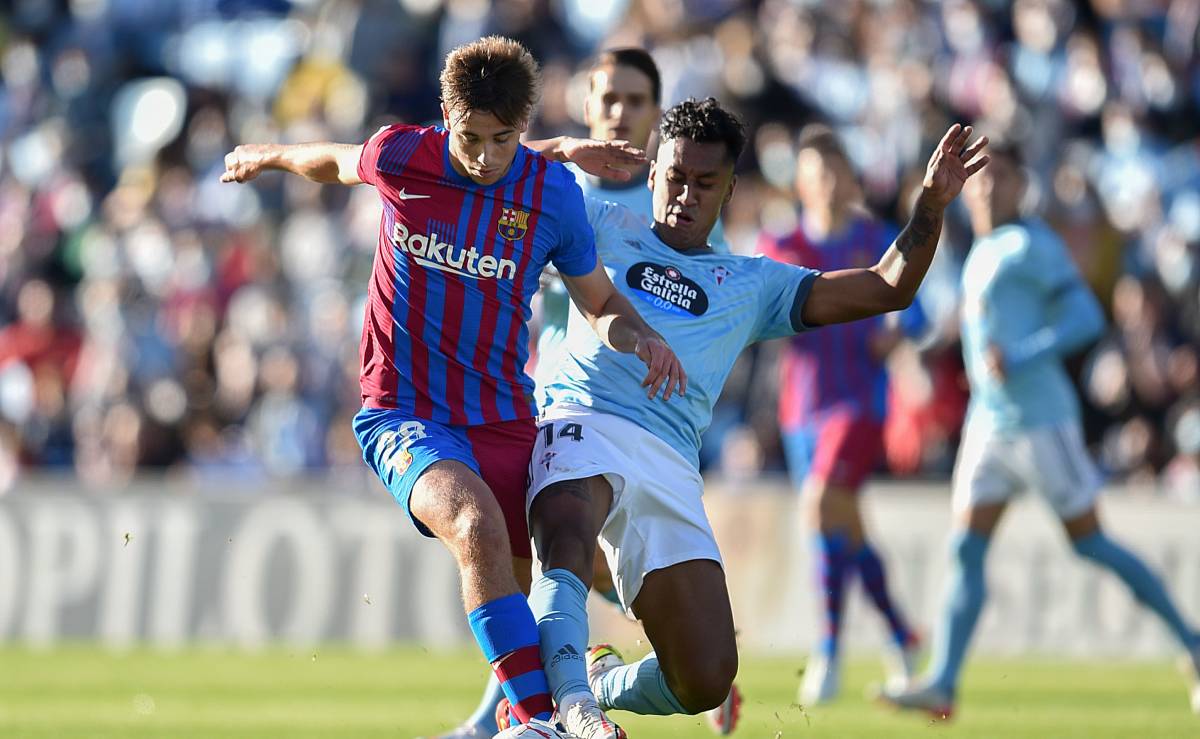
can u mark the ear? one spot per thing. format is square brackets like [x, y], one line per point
[445, 117]
[650, 176]
[729, 191]
[588, 110]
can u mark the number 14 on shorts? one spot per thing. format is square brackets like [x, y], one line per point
[572, 431]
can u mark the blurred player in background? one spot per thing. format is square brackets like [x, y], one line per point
[1024, 308]
[833, 398]
[470, 219]
[608, 463]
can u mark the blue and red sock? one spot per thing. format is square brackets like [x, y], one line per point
[508, 636]
[874, 580]
[833, 568]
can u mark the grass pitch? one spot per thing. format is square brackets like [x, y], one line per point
[82, 691]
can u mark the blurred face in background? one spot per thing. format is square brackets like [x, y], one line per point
[691, 181]
[824, 181]
[993, 196]
[620, 105]
[482, 147]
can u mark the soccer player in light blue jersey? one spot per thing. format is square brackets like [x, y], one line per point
[622, 105]
[1024, 308]
[609, 463]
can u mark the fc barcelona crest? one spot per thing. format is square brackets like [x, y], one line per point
[513, 223]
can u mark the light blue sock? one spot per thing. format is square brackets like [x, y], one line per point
[558, 600]
[485, 713]
[638, 688]
[1146, 587]
[965, 593]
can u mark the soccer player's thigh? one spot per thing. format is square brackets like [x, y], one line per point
[1055, 463]
[570, 494]
[984, 479]
[502, 451]
[847, 450]
[431, 472]
[687, 616]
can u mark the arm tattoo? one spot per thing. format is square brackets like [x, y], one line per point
[922, 231]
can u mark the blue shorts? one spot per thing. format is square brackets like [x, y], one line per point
[399, 447]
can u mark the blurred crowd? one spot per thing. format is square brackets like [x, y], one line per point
[153, 318]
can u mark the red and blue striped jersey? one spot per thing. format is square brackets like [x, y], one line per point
[445, 335]
[831, 368]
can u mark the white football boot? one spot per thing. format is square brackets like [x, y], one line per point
[466, 731]
[928, 698]
[535, 729]
[601, 659]
[900, 663]
[584, 719]
[821, 681]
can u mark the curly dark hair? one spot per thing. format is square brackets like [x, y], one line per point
[704, 121]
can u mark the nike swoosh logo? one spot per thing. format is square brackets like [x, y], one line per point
[409, 196]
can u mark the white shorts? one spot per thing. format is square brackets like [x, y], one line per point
[1051, 460]
[657, 518]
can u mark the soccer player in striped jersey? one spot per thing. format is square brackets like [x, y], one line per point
[470, 218]
[1024, 308]
[833, 397]
[610, 464]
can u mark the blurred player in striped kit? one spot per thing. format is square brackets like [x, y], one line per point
[470, 218]
[1024, 308]
[833, 397]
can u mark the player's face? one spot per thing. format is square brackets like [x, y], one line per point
[481, 146]
[620, 105]
[996, 191]
[690, 182]
[824, 180]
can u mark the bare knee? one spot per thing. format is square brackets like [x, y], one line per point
[477, 534]
[704, 683]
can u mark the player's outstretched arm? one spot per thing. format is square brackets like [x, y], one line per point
[622, 329]
[324, 162]
[891, 284]
[602, 159]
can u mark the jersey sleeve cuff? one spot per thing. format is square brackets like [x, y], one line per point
[802, 291]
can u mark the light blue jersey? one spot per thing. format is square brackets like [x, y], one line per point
[634, 195]
[1022, 293]
[708, 306]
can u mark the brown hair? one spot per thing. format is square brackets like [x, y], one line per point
[493, 75]
[823, 139]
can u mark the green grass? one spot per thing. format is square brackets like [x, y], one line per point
[82, 691]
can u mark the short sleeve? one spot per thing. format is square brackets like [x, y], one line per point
[575, 253]
[368, 160]
[785, 289]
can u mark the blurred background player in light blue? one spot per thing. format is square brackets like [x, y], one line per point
[1024, 309]
[833, 399]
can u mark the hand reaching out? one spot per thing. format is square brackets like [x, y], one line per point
[603, 159]
[952, 163]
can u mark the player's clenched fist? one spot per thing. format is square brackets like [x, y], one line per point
[663, 367]
[245, 162]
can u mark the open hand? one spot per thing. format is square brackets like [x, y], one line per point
[663, 367]
[604, 159]
[244, 163]
[952, 163]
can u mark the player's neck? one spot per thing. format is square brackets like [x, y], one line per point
[679, 245]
